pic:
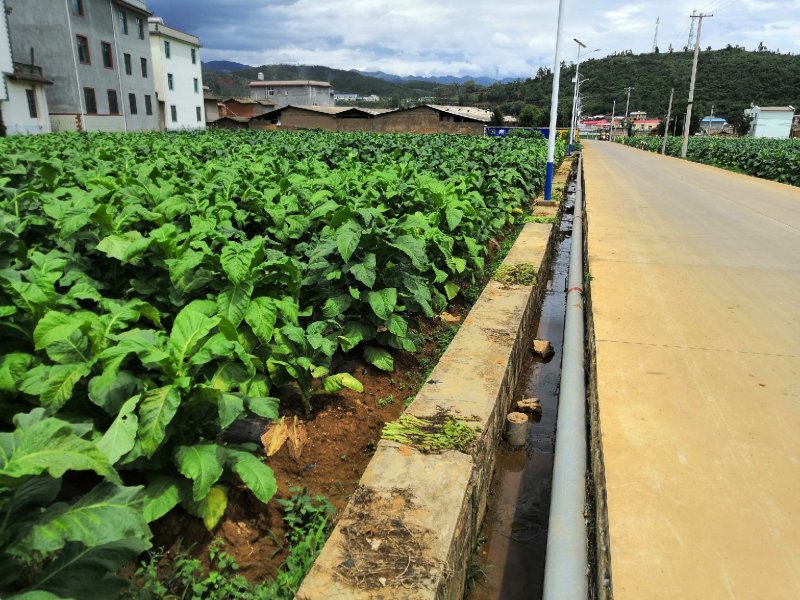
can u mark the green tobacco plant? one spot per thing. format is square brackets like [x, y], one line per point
[53, 545]
[776, 159]
[155, 288]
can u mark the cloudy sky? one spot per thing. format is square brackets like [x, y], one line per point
[464, 37]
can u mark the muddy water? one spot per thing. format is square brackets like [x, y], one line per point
[510, 563]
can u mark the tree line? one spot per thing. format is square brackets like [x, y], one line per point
[728, 81]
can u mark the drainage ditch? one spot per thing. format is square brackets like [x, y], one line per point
[508, 563]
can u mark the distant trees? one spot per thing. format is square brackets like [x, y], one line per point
[741, 123]
[532, 116]
[497, 117]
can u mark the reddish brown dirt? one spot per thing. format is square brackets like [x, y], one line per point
[342, 434]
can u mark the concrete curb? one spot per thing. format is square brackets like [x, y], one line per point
[429, 507]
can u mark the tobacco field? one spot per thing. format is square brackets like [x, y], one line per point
[776, 159]
[155, 288]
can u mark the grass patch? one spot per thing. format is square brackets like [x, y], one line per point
[541, 219]
[520, 274]
[434, 434]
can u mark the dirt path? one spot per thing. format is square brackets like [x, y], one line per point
[696, 296]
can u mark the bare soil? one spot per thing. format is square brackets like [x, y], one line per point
[343, 432]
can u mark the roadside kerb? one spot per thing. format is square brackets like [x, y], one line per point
[440, 499]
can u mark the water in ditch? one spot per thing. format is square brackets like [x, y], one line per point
[509, 563]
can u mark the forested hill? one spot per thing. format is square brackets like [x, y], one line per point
[729, 79]
[237, 84]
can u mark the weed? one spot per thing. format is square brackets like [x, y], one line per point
[520, 274]
[187, 580]
[308, 524]
[430, 435]
[475, 570]
[407, 402]
[384, 401]
[541, 219]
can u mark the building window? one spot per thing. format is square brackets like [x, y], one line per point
[113, 104]
[148, 104]
[91, 101]
[32, 104]
[144, 67]
[108, 62]
[199, 114]
[167, 49]
[140, 27]
[194, 56]
[123, 22]
[196, 86]
[173, 111]
[170, 81]
[128, 65]
[77, 7]
[132, 103]
[83, 50]
[270, 92]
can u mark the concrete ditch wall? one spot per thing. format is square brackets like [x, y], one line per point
[409, 530]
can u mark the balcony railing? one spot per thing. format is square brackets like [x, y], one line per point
[22, 69]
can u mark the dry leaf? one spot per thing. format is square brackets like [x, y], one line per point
[298, 438]
[275, 437]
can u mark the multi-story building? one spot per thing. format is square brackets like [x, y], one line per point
[770, 121]
[97, 52]
[294, 93]
[178, 77]
[23, 103]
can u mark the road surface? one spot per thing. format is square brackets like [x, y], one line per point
[696, 299]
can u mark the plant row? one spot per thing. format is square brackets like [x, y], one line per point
[776, 159]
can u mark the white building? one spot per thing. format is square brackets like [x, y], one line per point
[770, 121]
[347, 97]
[23, 104]
[178, 77]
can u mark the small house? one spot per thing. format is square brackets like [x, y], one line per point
[434, 118]
[770, 121]
[712, 125]
[244, 107]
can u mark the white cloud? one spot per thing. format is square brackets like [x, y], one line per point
[463, 37]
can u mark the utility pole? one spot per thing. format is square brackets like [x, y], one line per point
[688, 121]
[666, 123]
[575, 96]
[627, 104]
[551, 141]
[655, 37]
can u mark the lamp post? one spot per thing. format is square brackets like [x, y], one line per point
[551, 142]
[573, 123]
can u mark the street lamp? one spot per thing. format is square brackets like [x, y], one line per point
[551, 137]
[572, 123]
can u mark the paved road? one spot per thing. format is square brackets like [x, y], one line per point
[696, 295]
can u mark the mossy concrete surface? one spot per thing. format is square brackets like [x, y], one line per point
[439, 499]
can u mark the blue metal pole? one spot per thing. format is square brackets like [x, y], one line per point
[551, 143]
